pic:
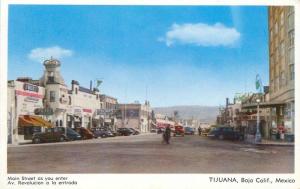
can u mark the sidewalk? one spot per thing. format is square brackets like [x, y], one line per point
[251, 140]
[275, 143]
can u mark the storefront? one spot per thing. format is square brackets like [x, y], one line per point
[23, 99]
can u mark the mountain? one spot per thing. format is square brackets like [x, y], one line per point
[202, 113]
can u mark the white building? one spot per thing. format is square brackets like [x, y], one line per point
[137, 116]
[22, 100]
[34, 104]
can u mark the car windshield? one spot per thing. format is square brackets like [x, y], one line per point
[215, 129]
[71, 131]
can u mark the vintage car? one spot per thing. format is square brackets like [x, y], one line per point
[189, 131]
[224, 132]
[178, 130]
[85, 133]
[56, 134]
[124, 131]
[100, 132]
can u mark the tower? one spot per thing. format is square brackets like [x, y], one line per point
[51, 73]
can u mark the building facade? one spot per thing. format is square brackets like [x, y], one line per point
[136, 115]
[107, 112]
[23, 99]
[36, 104]
[281, 65]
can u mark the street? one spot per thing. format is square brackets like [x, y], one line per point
[147, 154]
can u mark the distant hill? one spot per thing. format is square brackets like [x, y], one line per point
[202, 113]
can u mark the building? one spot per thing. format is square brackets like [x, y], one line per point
[281, 65]
[36, 104]
[163, 121]
[23, 99]
[108, 111]
[74, 108]
[135, 115]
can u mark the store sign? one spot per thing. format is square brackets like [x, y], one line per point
[24, 93]
[43, 111]
[87, 110]
[77, 111]
[132, 113]
[29, 87]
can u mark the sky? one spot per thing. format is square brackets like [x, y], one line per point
[169, 55]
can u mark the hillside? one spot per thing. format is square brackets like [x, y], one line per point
[202, 113]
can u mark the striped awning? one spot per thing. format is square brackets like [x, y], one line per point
[34, 121]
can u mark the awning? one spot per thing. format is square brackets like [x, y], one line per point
[263, 105]
[35, 121]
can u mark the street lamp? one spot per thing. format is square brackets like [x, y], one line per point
[257, 135]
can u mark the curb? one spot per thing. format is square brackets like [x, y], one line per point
[272, 144]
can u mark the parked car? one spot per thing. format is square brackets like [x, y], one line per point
[98, 132]
[224, 132]
[124, 131]
[153, 130]
[71, 134]
[160, 130]
[85, 133]
[189, 131]
[50, 135]
[135, 132]
[178, 130]
[205, 131]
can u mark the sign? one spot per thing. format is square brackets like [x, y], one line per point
[87, 110]
[24, 93]
[29, 87]
[132, 113]
[43, 111]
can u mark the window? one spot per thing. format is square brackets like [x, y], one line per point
[52, 96]
[282, 79]
[282, 18]
[282, 49]
[70, 100]
[277, 83]
[61, 123]
[272, 86]
[276, 28]
[271, 35]
[291, 38]
[291, 21]
[277, 55]
[291, 56]
[292, 71]
[76, 91]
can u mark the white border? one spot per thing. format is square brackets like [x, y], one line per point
[144, 180]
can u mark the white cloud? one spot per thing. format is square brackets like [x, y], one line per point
[41, 54]
[201, 34]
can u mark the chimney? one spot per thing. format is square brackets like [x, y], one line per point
[91, 83]
[227, 102]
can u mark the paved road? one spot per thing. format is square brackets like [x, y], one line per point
[147, 154]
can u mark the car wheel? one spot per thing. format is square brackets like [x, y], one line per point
[61, 139]
[36, 140]
[221, 137]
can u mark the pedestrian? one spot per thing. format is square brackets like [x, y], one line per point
[199, 130]
[167, 135]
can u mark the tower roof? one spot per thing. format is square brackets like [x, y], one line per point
[52, 62]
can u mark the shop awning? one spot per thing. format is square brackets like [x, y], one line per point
[35, 121]
[263, 105]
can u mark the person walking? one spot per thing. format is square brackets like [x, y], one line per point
[167, 135]
[199, 130]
